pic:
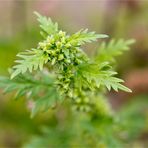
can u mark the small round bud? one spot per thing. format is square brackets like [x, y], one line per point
[42, 44]
[58, 44]
[63, 40]
[48, 39]
[58, 50]
[53, 61]
[52, 41]
[67, 60]
[45, 48]
[60, 32]
[60, 57]
[53, 52]
[68, 45]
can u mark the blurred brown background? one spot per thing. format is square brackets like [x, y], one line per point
[19, 31]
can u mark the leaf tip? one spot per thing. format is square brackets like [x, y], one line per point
[36, 13]
[102, 36]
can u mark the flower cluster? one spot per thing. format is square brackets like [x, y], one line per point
[64, 56]
[76, 76]
[60, 51]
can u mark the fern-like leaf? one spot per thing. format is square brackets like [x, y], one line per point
[92, 75]
[83, 36]
[24, 84]
[30, 60]
[41, 91]
[76, 76]
[107, 52]
[47, 25]
[45, 102]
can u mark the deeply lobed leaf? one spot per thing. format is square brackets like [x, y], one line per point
[47, 25]
[108, 51]
[95, 75]
[30, 60]
[76, 76]
[83, 36]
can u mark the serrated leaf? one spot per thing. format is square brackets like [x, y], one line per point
[30, 60]
[46, 25]
[42, 104]
[107, 52]
[83, 36]
[92, 73]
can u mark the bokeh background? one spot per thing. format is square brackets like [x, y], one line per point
[117, 18]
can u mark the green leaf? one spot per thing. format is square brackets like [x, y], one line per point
[108, 51]
[24, 84]
[40, 90]
[42, 104]
[75, 75]
[47, 25]
[94, 75]
[83, 36]
[30, 60]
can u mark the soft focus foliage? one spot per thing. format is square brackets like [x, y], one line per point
[75, 75]
[117, 119]
[107, 52]
[66, 72]
[97, 131]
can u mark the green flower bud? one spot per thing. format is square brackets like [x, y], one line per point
[45, 48]
[68, 45]
[53, 61]
[58, 44]
[67, 60]
[62, 33]
[60, 57]
[63, 40]
[42, 45]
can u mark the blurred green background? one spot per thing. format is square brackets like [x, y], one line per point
[117, 18]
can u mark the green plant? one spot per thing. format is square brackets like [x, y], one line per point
[58, 70]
